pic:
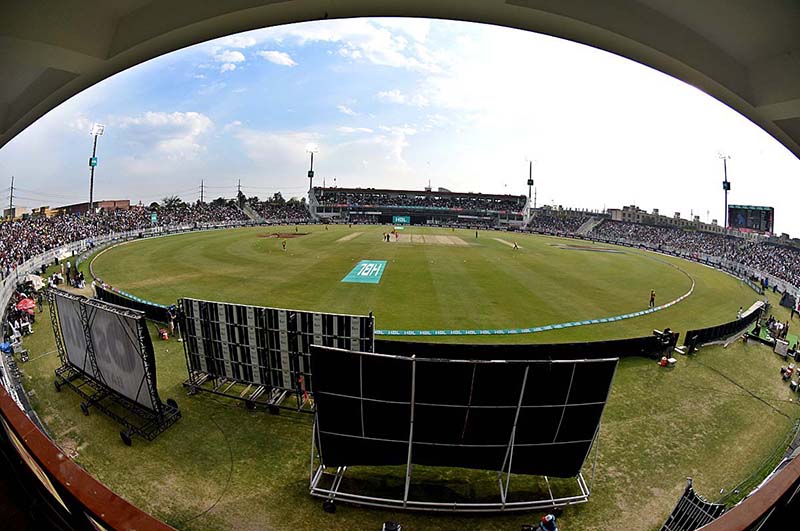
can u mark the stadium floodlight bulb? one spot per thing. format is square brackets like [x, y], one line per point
[98, 129]
[722, 155]
[312, 148]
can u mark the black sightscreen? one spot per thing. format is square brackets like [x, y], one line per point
[648, 346]
[531, 417]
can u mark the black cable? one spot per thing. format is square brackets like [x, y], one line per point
[740, 386]
[228, 482]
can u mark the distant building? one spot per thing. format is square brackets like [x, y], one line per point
[82, 208]
[15, 213]
[634, 214]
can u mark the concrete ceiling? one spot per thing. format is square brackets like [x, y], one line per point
[745, 53]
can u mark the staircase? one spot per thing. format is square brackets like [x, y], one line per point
[250, 213]
[589, 225]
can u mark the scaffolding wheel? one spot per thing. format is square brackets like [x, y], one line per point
[126, 437]
[171, 403]
[84, 408]
[58, 386]
[249, 404]
[329, 506]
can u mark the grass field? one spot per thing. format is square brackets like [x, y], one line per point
[718, 417]
[483, 284]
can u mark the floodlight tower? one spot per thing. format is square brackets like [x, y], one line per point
[726, 186]
[311, 149]
[530, 179]
[97, 130]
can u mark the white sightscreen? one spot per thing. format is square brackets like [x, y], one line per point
[117, 350]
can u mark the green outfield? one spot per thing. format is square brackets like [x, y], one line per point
[433, 279]
[721, 416]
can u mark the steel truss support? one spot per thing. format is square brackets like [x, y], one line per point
[90, 385]
[327, 483]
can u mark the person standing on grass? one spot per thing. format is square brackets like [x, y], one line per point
[171, 315]
[283, 244]
[652, 298]
[739, 313]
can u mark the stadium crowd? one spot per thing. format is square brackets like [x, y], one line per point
[471, 202]
[779, 261]
[25, 238]
[290, 212]
[553, 223]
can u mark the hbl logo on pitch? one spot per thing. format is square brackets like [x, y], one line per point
[366, 272]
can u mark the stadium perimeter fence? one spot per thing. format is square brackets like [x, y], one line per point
[701, 336]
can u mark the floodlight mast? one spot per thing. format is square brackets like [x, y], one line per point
[97, 130]
[726, 186]
[311, 149]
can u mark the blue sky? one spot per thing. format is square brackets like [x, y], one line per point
[394, 103]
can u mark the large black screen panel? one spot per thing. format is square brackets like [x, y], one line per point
[555, 460]
[72, 330]
[264, 346]
[354, 451]
[532, 417]
[118, 352]
[108, 345]
[648, 346]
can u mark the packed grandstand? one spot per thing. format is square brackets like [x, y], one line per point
[27, 237]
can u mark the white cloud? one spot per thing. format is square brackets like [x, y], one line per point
[231, 126]
[237, 41]
[227, 67]
[365, 40]
[347, 130]
[81, 124]
[229, 56]
[416, 28]
[407, 130]
[279, 58]
[395, 96]
[344, 109]
[176, 135]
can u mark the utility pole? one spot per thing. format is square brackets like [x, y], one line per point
[97, 130]
[201, 191]
[11, 199]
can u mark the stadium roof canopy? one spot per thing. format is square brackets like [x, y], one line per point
[419, 193]
[745, 53]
